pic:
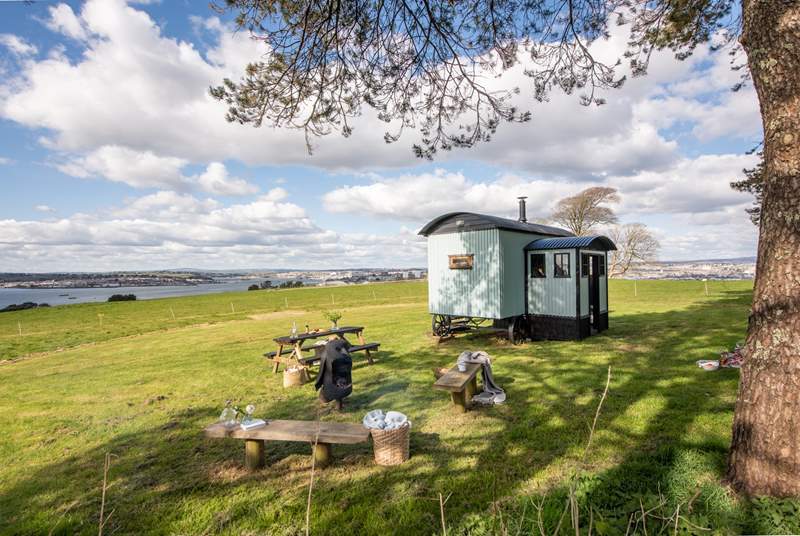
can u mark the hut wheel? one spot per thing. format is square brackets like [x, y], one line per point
[515, 330]
[440, 325]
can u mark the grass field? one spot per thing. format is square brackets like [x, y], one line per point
[142, 386]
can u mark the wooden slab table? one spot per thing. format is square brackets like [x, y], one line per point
[462, 385]
[322, 433]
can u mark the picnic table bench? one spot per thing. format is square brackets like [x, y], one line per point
[462, 385]
[293, 346]
[324, 433]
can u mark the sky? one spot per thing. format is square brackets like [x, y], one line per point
[113, 156]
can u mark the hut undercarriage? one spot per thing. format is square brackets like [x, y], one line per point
[514, 328]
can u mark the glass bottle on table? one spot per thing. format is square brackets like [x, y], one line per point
[228, 415]
[247, 418]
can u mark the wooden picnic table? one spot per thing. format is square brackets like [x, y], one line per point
[293, 346]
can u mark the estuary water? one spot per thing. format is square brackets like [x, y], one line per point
[61, 296]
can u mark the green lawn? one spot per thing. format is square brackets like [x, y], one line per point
[143, 386]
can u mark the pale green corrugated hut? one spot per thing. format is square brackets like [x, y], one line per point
[552, 284]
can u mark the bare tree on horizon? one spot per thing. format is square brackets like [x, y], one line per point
[635, 243]
[585, 211]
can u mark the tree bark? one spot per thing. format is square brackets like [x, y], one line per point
[765, 450]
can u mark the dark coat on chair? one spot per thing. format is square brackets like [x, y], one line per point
[335, 371]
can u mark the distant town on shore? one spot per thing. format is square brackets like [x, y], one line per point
[193, 277]
[741, 268]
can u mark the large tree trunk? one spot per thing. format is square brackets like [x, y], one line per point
[765, 453]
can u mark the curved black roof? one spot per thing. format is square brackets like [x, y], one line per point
[449, 223]
[590, 242]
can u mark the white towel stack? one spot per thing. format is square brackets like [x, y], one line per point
[391, 420]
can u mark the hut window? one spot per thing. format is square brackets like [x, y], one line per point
[461, 262]
[537, 265]
[584, 265]
[602, 270]
[561, 264]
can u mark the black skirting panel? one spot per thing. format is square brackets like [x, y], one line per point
[559, 328]
[584, 327]
[604, 321]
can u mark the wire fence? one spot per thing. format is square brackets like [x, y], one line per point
[45, 330]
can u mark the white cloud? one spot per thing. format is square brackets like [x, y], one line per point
[132, 107]
[168, 217]
[424, 196]
[140, 169]
[137, 88]
[164, 205]
[44, 208]
[733, 114]
[17, 45]
[697, 186]
[168, 229]
[64, 21]
[216, 180]
[144, 169]
[4, 161]
[690, 195]
[693, 186]
[729, 237]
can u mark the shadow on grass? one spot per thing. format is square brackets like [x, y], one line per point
[658, 437]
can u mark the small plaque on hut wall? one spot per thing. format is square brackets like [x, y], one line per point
[461, 262]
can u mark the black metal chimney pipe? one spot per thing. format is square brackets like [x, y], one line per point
[522, 216]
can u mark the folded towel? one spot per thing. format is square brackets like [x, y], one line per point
[253, 424]
[492, 393]
[374, 419]
[394, 419]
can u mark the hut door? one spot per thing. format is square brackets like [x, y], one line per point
[594, 292]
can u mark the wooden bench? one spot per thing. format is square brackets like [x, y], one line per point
[285, 351]
[365, 348]
[324, 433]
[462, 385]
[315, 358]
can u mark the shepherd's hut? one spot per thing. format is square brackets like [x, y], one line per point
[526, 279]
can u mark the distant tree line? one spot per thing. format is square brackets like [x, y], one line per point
[267, 285]
[122, 297]
[22, 306]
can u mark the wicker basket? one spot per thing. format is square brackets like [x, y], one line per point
[391, 446]
[295, 376]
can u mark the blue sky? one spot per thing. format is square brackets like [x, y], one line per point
[113, 156]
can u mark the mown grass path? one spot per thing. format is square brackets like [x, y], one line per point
[143, 387]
